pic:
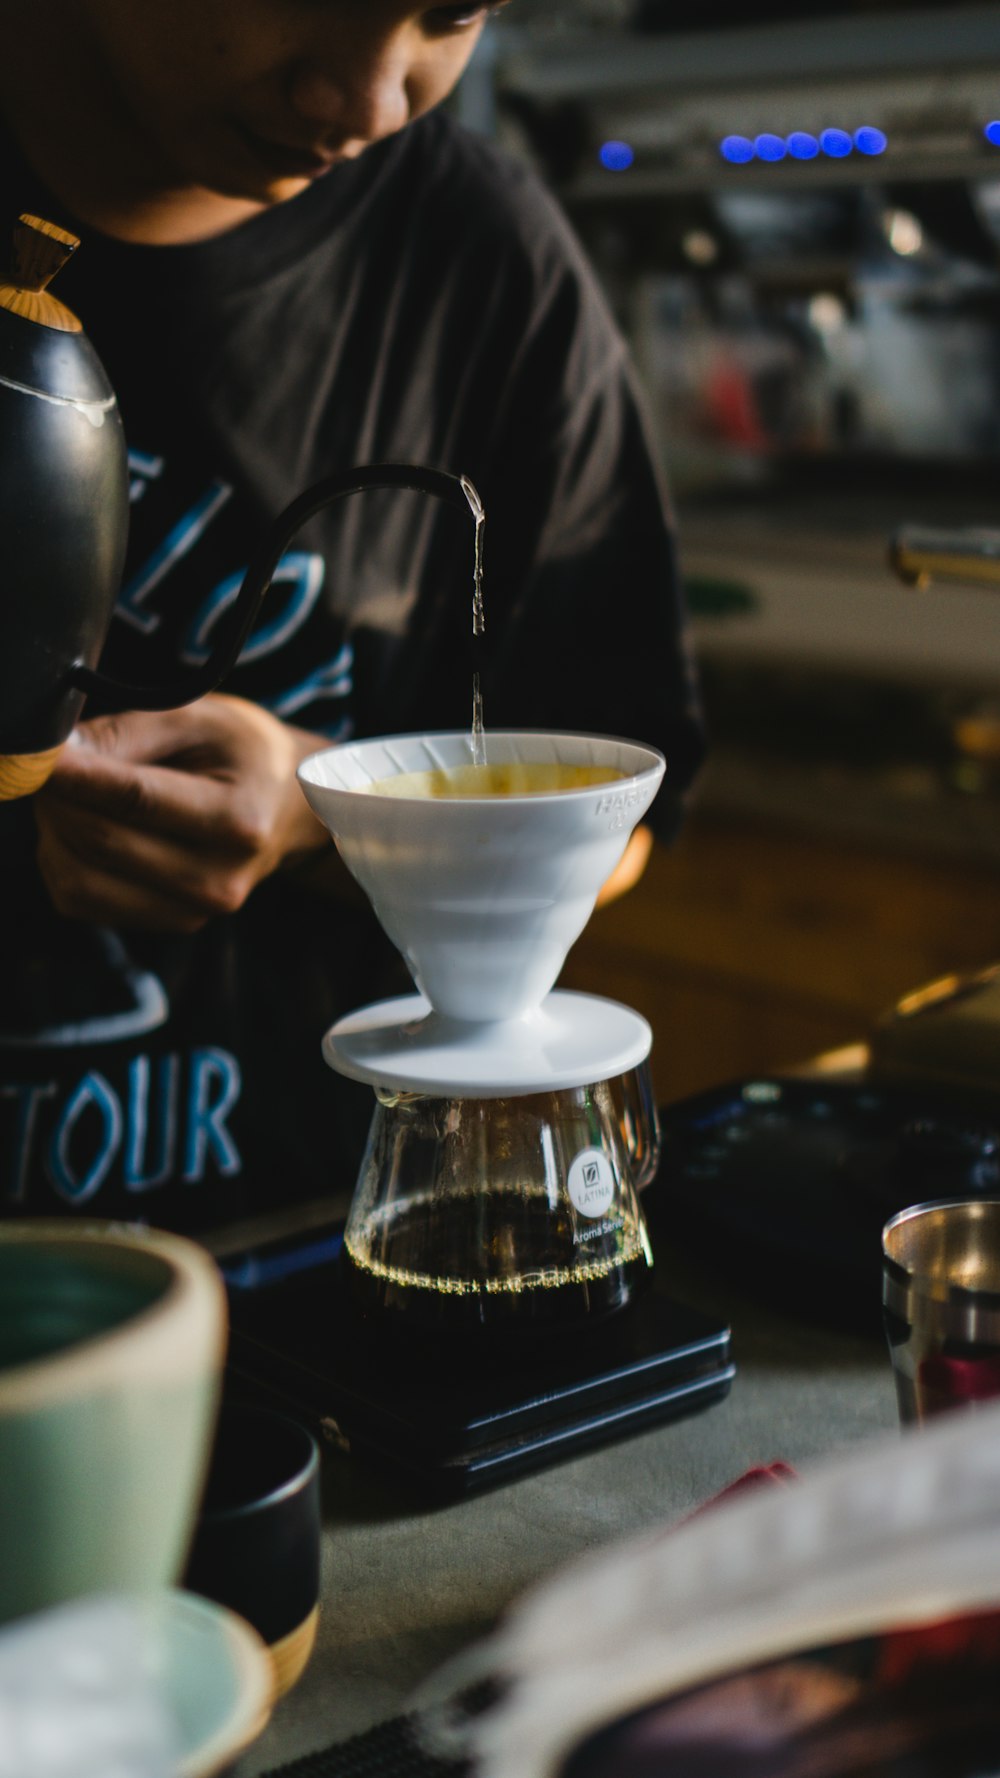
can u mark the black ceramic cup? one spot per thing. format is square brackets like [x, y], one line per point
[256, 1545]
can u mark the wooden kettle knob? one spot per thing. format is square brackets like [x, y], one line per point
[21, 774]
[41, 249]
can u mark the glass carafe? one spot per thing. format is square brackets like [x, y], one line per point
[500, 1218]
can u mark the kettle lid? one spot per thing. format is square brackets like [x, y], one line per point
[41, 249]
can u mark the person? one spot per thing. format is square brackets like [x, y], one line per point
[293, 260]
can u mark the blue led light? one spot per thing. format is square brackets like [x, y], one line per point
[802, 146]
[616, 156]
[770, 148]
[992, 132]
[737, 149]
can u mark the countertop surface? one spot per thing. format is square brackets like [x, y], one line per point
[405, 1586]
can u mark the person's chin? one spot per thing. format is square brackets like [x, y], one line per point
[259, 192]
[280, 191]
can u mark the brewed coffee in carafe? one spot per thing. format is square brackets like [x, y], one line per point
[491, 1220]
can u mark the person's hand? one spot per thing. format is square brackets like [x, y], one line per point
[629, 868]
[165, 819]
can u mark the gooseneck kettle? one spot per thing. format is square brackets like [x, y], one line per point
[64, 523]
[63, 508]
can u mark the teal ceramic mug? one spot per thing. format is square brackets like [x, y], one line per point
[112, 1342]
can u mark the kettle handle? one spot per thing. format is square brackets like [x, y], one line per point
[457, 489]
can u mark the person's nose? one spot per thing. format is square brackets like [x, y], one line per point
[356, 95]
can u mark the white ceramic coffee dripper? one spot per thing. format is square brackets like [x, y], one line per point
[483, 896]
[499, 1188]
[499, 1185]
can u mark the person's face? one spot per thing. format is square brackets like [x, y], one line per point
[256, 98]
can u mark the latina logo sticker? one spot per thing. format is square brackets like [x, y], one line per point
[591, 1182]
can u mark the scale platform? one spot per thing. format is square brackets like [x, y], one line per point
[446, 1434]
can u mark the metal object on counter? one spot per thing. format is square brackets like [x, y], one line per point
[944, 1031]
[941, 1297]
[920, 554]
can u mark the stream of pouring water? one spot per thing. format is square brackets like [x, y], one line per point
[478, 618]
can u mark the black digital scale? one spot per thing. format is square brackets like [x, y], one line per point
[447, 1428]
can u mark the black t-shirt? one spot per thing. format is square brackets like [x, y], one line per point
[425, 304]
